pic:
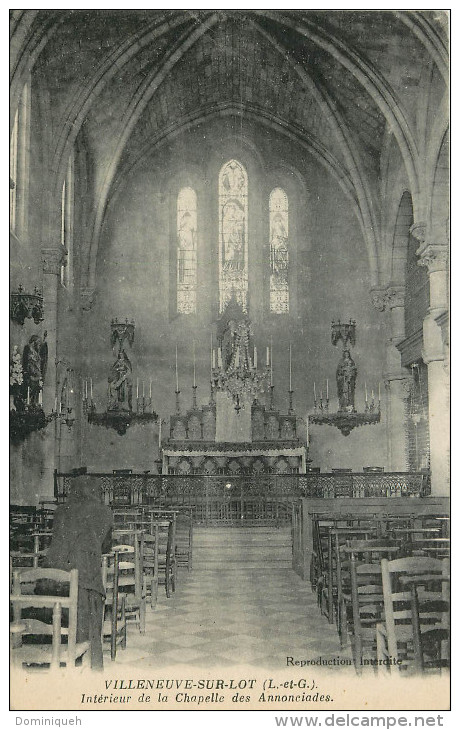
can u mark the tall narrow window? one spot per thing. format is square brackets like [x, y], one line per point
[186, 251]
[14, 170]
[67, 225]
[233, 234]
[279, 252]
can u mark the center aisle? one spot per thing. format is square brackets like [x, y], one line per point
[241, 604]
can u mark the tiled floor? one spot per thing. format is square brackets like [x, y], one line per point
[223, 618]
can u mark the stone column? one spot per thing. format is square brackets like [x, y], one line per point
[391, 300]
[51, 261]
[434, 257]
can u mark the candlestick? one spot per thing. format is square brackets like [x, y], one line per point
[271, 359]
[194, 365]
[255, 356]
[177, 374]
[290, 367]
[213, 358]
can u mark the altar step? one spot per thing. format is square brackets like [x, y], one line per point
[242, 548]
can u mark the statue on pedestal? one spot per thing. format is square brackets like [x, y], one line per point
[346, 381]
[120, 390]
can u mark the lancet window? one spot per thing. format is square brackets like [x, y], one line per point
[186, 251]
[279, 252]
[233, 234]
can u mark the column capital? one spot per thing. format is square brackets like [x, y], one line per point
[396, 294]
[87, 294]
[418, 231]
[379, 298]
[433, 256]
[389, 297]
[52, 260]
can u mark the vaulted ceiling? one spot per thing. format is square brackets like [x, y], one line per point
[337, 81]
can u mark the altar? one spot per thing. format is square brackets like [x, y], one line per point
[239, 432]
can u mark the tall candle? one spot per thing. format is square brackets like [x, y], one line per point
[150, 389]
[143, 389]
[177, 374]
[327, 389]
[314, 391]
[308, 434]
[365, 392]
[290, 366]
[40, 397]
[28, 395]
[159, 435]
[137, 387]
[237, 358]
[55, 404]
[268, 356]
[91, 388]
[255, 356]
[379, 392]
[372, 395]
[86, 389]
[271, 359]
[219, 357]
[213, 361]
[194, 365]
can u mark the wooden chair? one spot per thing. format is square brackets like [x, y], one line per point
[114, 619]
[415, 630]
[163, 543]
[366, 609]
[130, 580]
[51, 643]
[370, 551]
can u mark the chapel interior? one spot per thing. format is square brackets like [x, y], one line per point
[229, 252]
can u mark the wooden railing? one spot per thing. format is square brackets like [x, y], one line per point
[256, 498]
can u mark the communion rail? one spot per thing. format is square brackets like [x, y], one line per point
[257, 499]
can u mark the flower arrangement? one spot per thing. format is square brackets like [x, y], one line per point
[16, 374]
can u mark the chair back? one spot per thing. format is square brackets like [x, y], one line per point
[47, 588]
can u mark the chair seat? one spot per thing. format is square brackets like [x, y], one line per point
[42, 653]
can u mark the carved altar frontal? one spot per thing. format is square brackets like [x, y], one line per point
[271, 445]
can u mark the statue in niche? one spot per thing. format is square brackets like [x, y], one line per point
[209, 426]
[287, 432]
[258, 425]
[120, 390]
[34, 364]
[194, 429]
[346, 381]
[273, 429]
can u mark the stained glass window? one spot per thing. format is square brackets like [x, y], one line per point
[186, 251]
[279, 252]
[233, 234]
